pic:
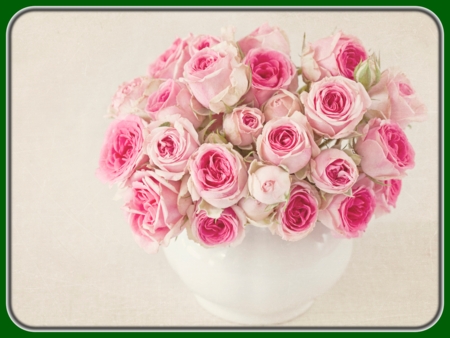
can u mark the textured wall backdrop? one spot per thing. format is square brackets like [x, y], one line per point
[74, 262]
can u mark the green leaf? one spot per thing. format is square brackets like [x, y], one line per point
[165, 124]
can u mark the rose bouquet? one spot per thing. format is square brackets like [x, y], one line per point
[219, 135]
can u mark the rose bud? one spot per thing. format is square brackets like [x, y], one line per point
[268, 184]
[201, 42]
[368, 72]
[258, 214]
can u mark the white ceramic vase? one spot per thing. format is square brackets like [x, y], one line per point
[264, 280]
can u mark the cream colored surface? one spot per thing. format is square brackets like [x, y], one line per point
[74, 262]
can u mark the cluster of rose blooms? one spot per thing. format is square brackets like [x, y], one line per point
[219, 136]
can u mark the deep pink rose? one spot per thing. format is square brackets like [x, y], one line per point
[385, 150]
[282, 103]
[218, 175]
[243, 125]
[333, 171]
[122, 151]
[386, 195]
[394, 98]
[265, 36]
[151, 207]
[201, 42]
[216, 77]
[173, 98]
[338, 54]
[226, 230]
[271, 71]
[297, 217]
[335, 105]
[287, 141]
[169, 65]
[349, 216]
[170, 146]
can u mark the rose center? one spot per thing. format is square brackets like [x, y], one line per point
[167, 146]
[268, 186]
[283, 138]
[405, 89]
[205, 62]
[250, 120]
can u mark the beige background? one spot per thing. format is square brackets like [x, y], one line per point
[74, 262]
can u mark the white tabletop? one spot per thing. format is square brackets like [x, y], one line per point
[74, 262]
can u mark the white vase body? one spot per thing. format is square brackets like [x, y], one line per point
[264, 280]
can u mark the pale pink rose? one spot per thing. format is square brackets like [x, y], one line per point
[335, 105]
[333, 171]
[201, 42]
[386, 195]
[218, 175]
[151, 207]
[173, 98]
[287, 141]
[266, 36]
[169, 65]
[170, 144]
[271, 71]
[394, 98]
[338, 54]
[131, 97]
[268, 184]
[282, 103]
[122, 151]
[385, 150]
[297, 217]
[349, 216]
[216, 77]
[243, 125]
[258, 214]
[226, 230]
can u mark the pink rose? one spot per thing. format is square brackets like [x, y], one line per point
[350, 215]
[201, 42]
[122, 151]
[170, 144]
[216, 77]
[266, 37]
[282, 103]
[227, 229]
[173, 98]
[271, 71]
[297, 217]
[333, 171]
[268, 184]
[131, 96]
[385, 150]
[394, 98]
[287, 141]
[335, 105]
[258, 214]
[169, 65]
[386, 195]
[218, 175]
[151, 207]
[338, 54]
[243, 125]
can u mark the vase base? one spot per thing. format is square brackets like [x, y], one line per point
[235, 316]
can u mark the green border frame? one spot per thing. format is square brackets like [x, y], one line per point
[11, 9]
